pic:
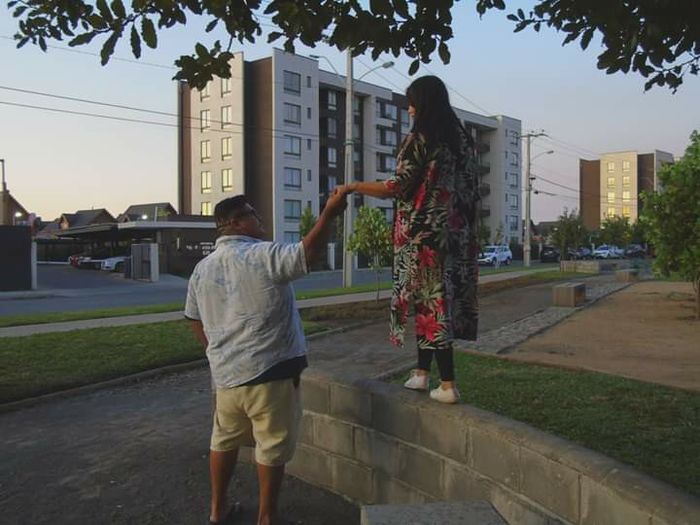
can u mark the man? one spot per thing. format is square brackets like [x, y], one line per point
[242, 308]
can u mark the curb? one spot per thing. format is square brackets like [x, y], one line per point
[142, 376]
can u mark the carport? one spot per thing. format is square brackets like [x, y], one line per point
[182, 241]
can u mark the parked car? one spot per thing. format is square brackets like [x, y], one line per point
[608, 252]
[549, 254]
[496, 254]
[583, 253]
[114, 264]
[635, 250]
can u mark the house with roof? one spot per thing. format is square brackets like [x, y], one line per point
[151, 211]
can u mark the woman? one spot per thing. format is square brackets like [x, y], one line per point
[435, 192]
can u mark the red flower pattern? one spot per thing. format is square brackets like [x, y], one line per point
[427, 326]
[427, 257]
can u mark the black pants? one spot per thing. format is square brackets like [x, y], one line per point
[444, 358]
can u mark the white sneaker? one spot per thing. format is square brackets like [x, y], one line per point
[451, 395]
[417, 381]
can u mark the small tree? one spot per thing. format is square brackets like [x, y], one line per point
[569, 232]
[484, 233]
[498, 236]
[672, 218]
[307, 221]
[615, 230]
[638, 233]
[372, 238]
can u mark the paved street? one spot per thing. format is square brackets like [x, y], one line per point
[67, 289]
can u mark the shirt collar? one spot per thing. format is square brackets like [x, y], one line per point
[226, 239]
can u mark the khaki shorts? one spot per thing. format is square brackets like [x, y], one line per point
[266, 416]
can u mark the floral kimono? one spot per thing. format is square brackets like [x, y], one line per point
[435, 243]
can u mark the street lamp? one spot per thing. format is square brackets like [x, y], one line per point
[384, 65]
[528, 187]
[319, 57]
[18, 215]
[144, 217]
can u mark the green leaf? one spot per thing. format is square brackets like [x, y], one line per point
[108, 47]
[135, 42]
[148, 32]
[211, 25]
[104, 10]
[521, 15]
[444, 53]
[118, 8]
[513, 18]
[82, 39]
[42, 43]
[414, 67]
[401, 7]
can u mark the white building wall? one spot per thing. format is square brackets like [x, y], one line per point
[218, 130]
[307, 132]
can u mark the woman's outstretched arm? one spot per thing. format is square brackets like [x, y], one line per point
[372, 189]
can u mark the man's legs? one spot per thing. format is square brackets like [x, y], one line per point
[270, 481]
[221, 465]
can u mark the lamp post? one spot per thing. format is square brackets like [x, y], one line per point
[17, 216]
[348, 257]
[528, 187]
[4, 215]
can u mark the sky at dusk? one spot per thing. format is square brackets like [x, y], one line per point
[59, 162]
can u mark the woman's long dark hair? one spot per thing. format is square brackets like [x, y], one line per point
[435, 119]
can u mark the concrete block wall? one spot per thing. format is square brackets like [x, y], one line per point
[374, 442]
[596, 266]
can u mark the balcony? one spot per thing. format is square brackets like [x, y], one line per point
[485, 210]
[483, 168]
[482, 147]
[484, 189]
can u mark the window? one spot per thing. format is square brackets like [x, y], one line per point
[332, 100]
[385, 163]
[225, 86]
[626, 181]
[226, 147]
[292, 145]
[292, 237]
[205, 179]
[308, 144]
[513, 179]
[292, 114]
[292, 178]
[308, 82]
[292, 83]
[611, 197]
[356, 130]
[611, 211]
[625, 165]
[356, 105]
[386, 136]
[514, 158]
[205, 150]
[386, 110]
[204, 92]
[513, 135]
[308, 113]
[513, 199]
[308, 175]
[226, 119]
[513, 221]
[205, 208]
[356, 158]
[611, 167]
[611, 182]
[227, 179]
[332, 157]
[626, 211]
[204, 119]
[292, 210]
[626, 195]
[332, 127]
[405, 122]
[332, 183]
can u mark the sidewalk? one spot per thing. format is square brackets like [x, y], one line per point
[17, 331]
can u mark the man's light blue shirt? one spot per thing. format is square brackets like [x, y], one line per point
[243, 295]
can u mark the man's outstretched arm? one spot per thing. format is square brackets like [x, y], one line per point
[315, 241]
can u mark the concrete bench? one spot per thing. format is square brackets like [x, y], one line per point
[467, 513]
[568, 294]
[627, 275]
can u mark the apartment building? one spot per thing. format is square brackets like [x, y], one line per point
[281, 142]
[611, 186]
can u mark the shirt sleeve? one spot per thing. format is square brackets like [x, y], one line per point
[286, 262]
[191, 306]
[410, 169]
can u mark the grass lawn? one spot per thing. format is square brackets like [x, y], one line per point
[42, 363]
[652, 427]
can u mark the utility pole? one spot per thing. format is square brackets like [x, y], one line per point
[5, 197]
[528, 189]
[348, 257]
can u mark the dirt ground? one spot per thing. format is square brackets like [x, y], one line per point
[646, 331]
